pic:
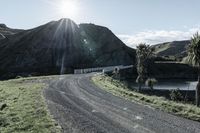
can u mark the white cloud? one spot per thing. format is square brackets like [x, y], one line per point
[155, 37]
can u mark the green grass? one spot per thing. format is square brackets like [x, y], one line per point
[117, 88]
[162, 48]
[26, 111]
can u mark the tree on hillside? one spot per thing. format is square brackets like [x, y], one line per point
[143, 54]
[194, 59]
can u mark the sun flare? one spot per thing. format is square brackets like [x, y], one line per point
[68, 8]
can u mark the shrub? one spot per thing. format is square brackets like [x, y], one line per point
[116, 73]
[176, 95]
[150, 82]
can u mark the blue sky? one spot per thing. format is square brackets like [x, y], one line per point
[134, 21]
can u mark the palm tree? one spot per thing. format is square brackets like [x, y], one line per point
[143, 53]
[194, 59]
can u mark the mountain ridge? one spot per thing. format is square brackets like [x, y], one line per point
[61, 46]
[6, 31]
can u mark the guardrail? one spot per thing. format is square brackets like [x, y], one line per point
[101, 69]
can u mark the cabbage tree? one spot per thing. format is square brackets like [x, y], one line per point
[143, 54]
[194, 59]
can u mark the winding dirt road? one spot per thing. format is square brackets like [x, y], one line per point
[81, 107]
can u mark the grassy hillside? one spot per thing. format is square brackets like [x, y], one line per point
[23, 108]
[176, 49]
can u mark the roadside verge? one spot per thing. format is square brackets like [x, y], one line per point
[118, 89]
[23, 108]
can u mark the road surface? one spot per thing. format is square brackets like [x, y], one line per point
[81, 107]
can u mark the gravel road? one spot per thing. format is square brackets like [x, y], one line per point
[81, 107]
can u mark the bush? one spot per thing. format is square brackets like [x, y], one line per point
[150, 82]
[176, 95]
[116, 73]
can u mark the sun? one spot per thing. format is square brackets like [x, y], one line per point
[68, 8]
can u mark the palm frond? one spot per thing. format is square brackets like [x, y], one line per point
[194, 50]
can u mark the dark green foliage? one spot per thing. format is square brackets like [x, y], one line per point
[143, 54]
[176, 95]
[194, 50]
[194, 59]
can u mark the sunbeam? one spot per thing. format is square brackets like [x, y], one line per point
[64, 35]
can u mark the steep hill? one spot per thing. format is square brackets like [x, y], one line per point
[59, 47]
[105, 47]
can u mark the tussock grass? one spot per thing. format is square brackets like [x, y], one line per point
[25, 109]
[117, 88]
